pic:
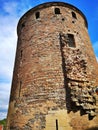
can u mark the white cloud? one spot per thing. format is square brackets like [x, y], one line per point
[2, 115]
[4, 99]
[7, 45]
[12, 11]
[10, 7]
[8, 40]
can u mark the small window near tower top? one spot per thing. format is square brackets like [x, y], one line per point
[74, 15]
[37, 15]
[23, 25]
[57, 11]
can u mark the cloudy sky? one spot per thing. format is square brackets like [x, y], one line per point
[10, 13]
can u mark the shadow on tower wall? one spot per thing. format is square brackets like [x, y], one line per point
[75, 102]
[67, 89]
[70, 105]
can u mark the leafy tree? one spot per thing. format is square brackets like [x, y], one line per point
[3, 122]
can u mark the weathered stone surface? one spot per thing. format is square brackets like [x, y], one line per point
[55, 72]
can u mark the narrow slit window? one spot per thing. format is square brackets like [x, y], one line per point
[74, 15]
[70, 40]
[37, 15]
[56, 124]
[21, 53]
[57, 11]
[20, 85]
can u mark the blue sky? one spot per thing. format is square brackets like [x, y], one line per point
[10, 13]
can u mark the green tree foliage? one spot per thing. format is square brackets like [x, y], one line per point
[3, 122]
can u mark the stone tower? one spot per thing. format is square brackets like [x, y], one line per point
[55, 71]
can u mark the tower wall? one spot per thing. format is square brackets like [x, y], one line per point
[54, 57]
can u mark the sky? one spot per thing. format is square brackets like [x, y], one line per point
[10, 13]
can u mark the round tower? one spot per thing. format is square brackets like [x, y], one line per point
[55, 71]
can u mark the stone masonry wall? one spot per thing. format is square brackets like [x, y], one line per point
[52, 81]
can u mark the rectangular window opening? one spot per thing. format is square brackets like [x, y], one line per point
[37, 15]
[22, 25]
[67, 40]
[74, 15]
[57, 11]
[70, 40]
